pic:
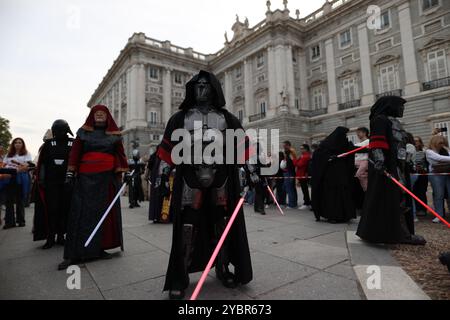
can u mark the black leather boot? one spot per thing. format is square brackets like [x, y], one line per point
[445, 259]
[50, 243]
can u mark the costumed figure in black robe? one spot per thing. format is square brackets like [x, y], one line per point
[52, 198]
[96, 164]
[156, 199]
[332, 179]
[135, 190]
[204, 195]
[387, 215]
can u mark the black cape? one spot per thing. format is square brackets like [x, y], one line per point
[382, 220]
[41, 195]
[332, 181]
[239, 251]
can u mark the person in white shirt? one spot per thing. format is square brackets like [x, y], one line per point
[439, 159]
[18, 189]
[362, 158]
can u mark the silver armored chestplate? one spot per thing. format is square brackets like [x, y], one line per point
[205, 121]
[400, 137]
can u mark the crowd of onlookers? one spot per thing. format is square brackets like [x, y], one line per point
[427, 165]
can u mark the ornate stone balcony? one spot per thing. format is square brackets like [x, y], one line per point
[396, 93]
[156, 125]
[349, 105]
[257, 117]
[313, 113]
[431, 85]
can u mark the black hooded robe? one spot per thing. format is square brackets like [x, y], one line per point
[239, 252]
[382, 220]
[332, 181]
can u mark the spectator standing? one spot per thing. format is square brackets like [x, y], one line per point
[420, 185]
[362, 158]
[289, 175]
[439, 159]
[17, 190]
[302, 165]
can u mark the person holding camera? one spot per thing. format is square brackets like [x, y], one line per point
[438, 157]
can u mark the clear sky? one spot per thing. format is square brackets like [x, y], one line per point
[54, 53]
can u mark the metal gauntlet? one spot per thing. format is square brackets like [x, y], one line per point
[379, 161]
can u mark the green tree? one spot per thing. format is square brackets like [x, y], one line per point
[5, 134]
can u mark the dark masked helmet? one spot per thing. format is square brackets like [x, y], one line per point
[136, 154]
[60, 129]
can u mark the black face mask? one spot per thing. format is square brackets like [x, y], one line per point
[397, 111]
[203, 92]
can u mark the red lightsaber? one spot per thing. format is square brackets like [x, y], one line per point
[218, 247]
[416, 198]
[275, 200]
[352, 152]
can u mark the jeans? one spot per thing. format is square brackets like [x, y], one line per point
[280, 192]
[439, 183]
[305, 191]
[291, 190]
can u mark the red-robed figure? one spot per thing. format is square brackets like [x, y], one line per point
[96, 163]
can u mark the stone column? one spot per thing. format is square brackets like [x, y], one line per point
[304, 96]
[229, 91]
[280, 66]
[367, 97]
[167, 95]
[412, 85]
[272, 75]
[248, 89]
[136, 97]
[119, 119]
[331, 74]
[290, 79]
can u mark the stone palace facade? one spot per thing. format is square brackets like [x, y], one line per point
[304, 76]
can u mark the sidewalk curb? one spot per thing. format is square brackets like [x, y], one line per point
[367, 260]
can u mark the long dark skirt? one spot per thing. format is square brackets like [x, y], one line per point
[92, 194]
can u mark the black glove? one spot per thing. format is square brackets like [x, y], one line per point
[378, 161]
[70, 178]
[127, 178]
[162, 185]
[333, 158]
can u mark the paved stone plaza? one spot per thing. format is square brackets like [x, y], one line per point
[293, 258]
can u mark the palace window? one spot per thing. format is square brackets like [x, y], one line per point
[318, 98]
[388, 79]
[261, 78]
[297, 103]
[178, 78]
[152, 117]
[443, 125]
[155, 137]
[385, 20]
[238, 72]
[260, 60]
[345, 39]
[315, 52]
[241, 115]
[153, 73]
[262, 107]
[349, 90]
[437, 65]
[429, 4]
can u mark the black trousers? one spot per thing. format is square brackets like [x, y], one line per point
[14, 198]
[57, 207]
[259, 198]
[305, 191]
